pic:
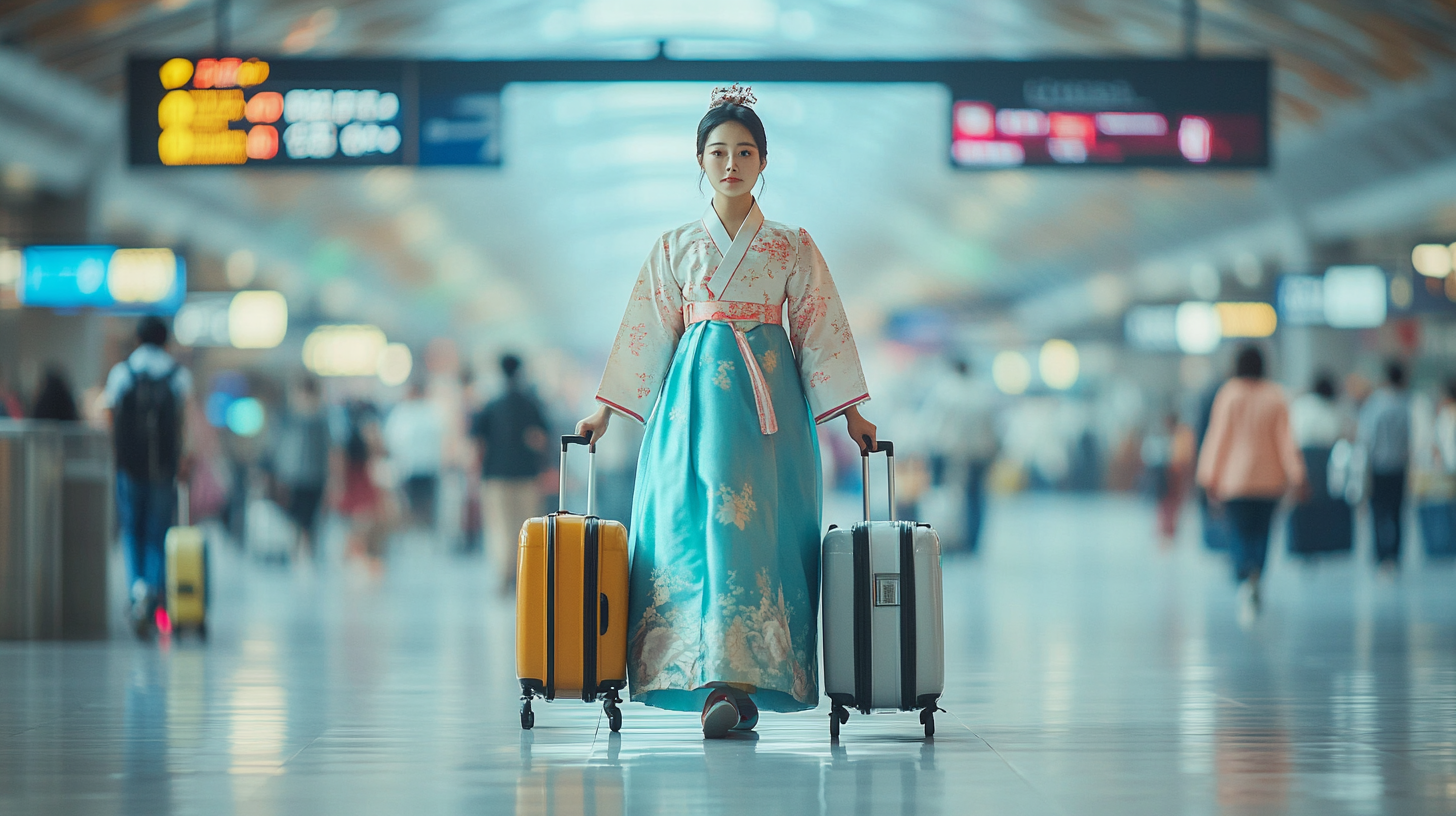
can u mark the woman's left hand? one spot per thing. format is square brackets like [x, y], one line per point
[859, 428]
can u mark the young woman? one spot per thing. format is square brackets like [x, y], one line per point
[725, 520]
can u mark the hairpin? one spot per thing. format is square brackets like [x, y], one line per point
[734, 94]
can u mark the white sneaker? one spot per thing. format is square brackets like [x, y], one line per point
[1248, 603]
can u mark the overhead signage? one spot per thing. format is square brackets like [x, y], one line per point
[125, 281]
[1005, 113]
[1132, 113]
[303, 113]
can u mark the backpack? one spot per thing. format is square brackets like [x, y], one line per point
[147, 427]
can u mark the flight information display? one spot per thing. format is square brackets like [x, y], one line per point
[1139, 113]
[1193, 113]
[300, 113]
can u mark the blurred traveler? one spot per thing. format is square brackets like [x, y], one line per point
[359, 498]
[11, 406]
[1215, 526]
[413, 435]
[54, 399]
[1168, 457]
[1446, 427]
[146, 396]
[511, 433]
[1384, 434]
[1248, 461]
[961, 418]
[1323, 522]
[301, 459]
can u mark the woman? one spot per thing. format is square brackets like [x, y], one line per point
[1324, 521]
[359, 498]
[725, 519]
[1248, 461]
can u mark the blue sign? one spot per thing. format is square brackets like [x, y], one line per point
[460, 129]
[80, 277]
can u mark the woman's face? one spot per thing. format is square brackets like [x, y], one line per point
[731, 160]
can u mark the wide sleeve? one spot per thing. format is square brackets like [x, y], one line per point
[819, 330]
[646, 340]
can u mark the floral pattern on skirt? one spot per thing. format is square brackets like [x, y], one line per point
[725, 533]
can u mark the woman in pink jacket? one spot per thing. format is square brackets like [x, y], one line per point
[1248, 462]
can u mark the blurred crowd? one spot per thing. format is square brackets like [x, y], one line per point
[296, 468]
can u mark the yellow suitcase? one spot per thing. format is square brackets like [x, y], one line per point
[571, 604]
[186, 569]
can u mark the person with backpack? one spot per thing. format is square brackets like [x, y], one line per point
[146, 396]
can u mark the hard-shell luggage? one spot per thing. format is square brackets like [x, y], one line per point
[571, 604]
[884, 623]
[1324, 523]
[1438, 529]
[186, 570]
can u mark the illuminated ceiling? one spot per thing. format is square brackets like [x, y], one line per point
[1364, 94]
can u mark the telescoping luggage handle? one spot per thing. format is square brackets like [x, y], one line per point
[888, 448]
[591, 472]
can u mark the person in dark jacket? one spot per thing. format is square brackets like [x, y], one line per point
[511, 433]
[54, 400]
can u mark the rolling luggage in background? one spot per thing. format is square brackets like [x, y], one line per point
[884, 627]
[571, 604]
[186, 566]
[1324, 523]
[1438, 529]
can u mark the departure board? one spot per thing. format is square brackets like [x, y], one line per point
[1135, 113]
[300, 113]
[265, 112]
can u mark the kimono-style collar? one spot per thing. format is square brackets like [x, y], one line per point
[733, 251]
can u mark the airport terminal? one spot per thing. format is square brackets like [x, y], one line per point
[741, 407]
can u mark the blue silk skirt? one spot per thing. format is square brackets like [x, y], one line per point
[725, 531]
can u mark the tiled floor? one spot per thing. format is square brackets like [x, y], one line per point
[1089, 674]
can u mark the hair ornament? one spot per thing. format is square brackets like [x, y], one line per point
[734, 94]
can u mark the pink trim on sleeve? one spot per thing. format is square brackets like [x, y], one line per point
[615, 406]
[834, 412]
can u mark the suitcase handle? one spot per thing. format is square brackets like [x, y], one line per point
[591, 473]
[184, 504]
[888, 448]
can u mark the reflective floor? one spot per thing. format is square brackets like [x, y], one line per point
[1088, 674]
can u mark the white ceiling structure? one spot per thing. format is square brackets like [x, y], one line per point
[543, 250]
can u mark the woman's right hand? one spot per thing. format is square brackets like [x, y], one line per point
[594, 427]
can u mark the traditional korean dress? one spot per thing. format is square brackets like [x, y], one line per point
[725, 520]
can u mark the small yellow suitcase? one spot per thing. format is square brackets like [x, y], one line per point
[186, 568]
[571, 604]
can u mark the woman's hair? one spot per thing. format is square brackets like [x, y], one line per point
[1249, 363]
[729, 112]
[1324, 385]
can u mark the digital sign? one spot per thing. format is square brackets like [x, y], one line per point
[301, 113]
[265, 112]
[1144, 113]
[124, 281]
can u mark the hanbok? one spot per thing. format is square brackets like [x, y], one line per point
[726, 515]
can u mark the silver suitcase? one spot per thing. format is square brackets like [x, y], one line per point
[884, 624]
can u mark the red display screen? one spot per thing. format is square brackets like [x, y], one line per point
[1137, 113]
[985, 136]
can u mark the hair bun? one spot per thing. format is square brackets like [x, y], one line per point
[734, 94]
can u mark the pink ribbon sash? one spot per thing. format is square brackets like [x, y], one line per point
[731, 310]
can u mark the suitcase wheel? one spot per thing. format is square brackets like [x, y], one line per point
[614, 715]
[927, 716]
[528, 717]
[837, 715]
